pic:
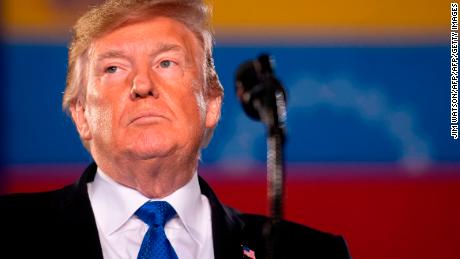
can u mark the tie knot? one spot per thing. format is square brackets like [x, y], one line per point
[155, 213]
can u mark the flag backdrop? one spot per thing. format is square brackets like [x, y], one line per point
[369, 152]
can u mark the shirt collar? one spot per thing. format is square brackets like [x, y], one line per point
[109, 196]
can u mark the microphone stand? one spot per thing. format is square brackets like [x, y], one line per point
[264, 99]
[275, 175]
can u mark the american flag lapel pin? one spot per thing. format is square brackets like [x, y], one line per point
[248, 253]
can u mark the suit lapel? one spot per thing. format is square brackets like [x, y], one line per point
[226, 226]
[78, 218]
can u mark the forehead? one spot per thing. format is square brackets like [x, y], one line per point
[148, 34]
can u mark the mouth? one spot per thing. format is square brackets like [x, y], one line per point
[146, 118]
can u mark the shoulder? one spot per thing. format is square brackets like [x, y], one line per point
[37, 202]
[40, 220]
[47, 202]
[295, 239]
[31, 210]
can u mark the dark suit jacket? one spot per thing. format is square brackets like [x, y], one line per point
[61, 224]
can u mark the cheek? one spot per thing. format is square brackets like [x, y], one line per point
[198, 92]
[100, 118]
[190, 109]
[197, 107]
[201, 103]
[193, 101]
[99, 115]
[183, 96]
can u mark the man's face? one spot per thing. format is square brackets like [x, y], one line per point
[145, 93]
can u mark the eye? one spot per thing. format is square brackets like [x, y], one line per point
[111, 69]
[166, 63]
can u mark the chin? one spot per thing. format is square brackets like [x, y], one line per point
[153, 144]
[148, 149]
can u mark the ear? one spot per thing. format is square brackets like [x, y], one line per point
[78, 115]
[213, 106]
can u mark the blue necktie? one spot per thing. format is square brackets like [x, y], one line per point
[156, 244]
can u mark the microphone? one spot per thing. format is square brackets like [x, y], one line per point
[261, 94]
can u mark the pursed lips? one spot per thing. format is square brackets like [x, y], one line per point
[146, 117]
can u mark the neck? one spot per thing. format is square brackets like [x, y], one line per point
[154, 178]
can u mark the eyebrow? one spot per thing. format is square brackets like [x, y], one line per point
[165, 47]
[160, 48]
[112, 54]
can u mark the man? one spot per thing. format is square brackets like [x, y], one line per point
[145, 98]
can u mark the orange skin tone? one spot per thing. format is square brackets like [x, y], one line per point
[144, 114]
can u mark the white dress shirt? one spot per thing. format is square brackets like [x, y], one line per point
[121, 232]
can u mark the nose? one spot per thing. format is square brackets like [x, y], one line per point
[142, 86]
